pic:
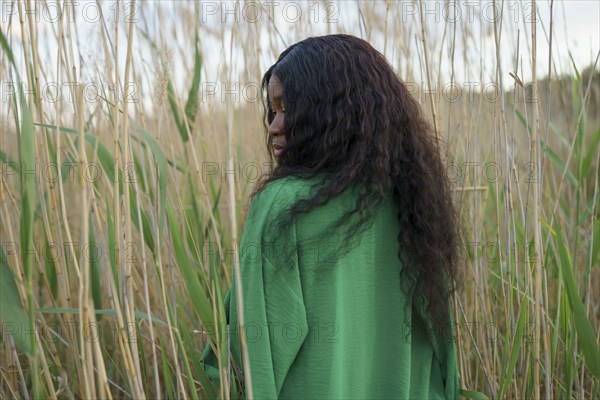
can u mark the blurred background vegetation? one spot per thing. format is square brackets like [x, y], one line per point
[132, 134]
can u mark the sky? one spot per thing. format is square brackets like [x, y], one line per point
[576, 32]
[576, 27]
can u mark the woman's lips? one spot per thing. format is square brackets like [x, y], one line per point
[277, 149]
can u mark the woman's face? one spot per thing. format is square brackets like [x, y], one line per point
[275, 129]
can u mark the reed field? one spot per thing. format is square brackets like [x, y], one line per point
[132, 134]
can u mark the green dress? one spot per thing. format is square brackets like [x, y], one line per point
[326, 323]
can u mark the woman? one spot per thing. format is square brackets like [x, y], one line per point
[349, 252]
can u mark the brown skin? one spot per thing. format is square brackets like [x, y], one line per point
[275, 129]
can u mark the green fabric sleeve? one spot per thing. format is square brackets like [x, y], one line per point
[275, 317]
[275, 323]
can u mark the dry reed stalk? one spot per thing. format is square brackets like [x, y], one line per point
[45, 187]
[103, 381]
[89, 388]
[144, 268]
[129, 283]
[161, 278]
[60, 215]
[536, 214]
[123, 316]
[234, 239]
[29, 300]
[424, 40]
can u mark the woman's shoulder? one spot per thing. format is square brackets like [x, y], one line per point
[269, 207]
[283, 191]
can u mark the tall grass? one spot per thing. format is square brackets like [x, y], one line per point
[120, 217]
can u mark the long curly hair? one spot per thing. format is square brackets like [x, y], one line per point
[350, 119]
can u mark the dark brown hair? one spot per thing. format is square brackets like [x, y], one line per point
[350, 119]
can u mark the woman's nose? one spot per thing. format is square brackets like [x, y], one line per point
[276, 127]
